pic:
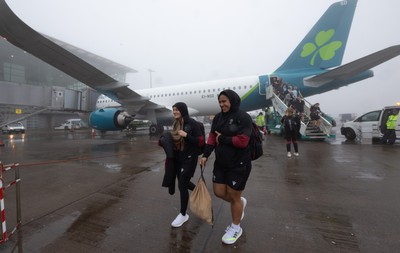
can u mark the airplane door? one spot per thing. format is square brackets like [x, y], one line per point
[263, 84]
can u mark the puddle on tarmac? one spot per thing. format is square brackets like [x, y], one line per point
[366, 175]
[48, 233]
[112, 167]
[337, 230]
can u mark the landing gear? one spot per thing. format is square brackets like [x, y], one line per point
[154, 129]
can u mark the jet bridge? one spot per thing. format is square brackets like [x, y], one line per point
[44, 103]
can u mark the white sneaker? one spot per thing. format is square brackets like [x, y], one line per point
[296, 154]
[289, 154]
[231, 235]
[179, 220]
[244, 202]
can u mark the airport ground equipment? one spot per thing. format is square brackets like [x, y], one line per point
[306, 129]
[370, 125]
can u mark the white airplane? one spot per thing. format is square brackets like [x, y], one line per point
[314, 66]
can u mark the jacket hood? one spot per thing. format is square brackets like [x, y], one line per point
[234, 99]
[182, 108]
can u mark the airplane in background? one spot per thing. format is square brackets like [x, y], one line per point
[314, 66]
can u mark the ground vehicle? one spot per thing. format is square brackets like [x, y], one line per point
[12, 128]
[353, 128]
[371, 124]
[71, 124]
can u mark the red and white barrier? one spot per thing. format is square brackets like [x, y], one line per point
[3, 186]
[3, 214]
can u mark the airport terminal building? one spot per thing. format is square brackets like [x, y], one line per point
[41, 95]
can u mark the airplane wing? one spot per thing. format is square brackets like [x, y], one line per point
[353, 68]
[15, 31]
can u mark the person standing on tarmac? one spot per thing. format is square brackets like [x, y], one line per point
[229, 138]
[291, 125]
[390, 133]
[187, 139]
[260, 121]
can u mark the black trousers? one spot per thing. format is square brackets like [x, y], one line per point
[389, 136]
[186, 170]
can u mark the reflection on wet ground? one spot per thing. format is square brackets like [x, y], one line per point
[336, 229]
[104, 194]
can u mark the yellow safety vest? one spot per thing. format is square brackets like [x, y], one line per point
[260, 120]
[391, 122]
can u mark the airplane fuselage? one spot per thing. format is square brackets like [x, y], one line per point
[201, 97]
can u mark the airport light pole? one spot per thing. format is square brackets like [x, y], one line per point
[151, 71]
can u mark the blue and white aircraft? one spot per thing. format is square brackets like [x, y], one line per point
[314, 66]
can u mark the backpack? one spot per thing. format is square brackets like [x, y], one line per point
[203, 133]
[255, 142]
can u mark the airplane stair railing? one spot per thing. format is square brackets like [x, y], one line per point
[325, 127]
[307, 129]
[280, 107]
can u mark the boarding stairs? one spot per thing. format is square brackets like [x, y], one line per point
[307, 129]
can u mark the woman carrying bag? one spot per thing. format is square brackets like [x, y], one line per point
[229, 139]
[187, 140]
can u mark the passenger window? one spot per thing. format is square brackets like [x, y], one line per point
[371, 116]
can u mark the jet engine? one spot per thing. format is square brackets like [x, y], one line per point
[109, 119]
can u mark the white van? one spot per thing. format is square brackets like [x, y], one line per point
[371, 124]
[70, 124]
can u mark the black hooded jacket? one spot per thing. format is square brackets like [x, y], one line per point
[235, 127]
[194, 139]
[193, 142]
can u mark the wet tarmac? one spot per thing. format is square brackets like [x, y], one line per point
[103, 194]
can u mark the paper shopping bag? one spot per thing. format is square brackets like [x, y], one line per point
[200, 201]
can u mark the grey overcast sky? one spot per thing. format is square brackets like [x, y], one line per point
[188, 41]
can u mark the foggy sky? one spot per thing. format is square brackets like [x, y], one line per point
[189, 41]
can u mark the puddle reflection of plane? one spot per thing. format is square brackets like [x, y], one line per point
[314, 66]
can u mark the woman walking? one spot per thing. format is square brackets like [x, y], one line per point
[229, 137]
[187, 140]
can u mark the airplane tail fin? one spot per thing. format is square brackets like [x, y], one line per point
[324, 45]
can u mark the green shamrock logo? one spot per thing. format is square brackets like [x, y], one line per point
[327, 51]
